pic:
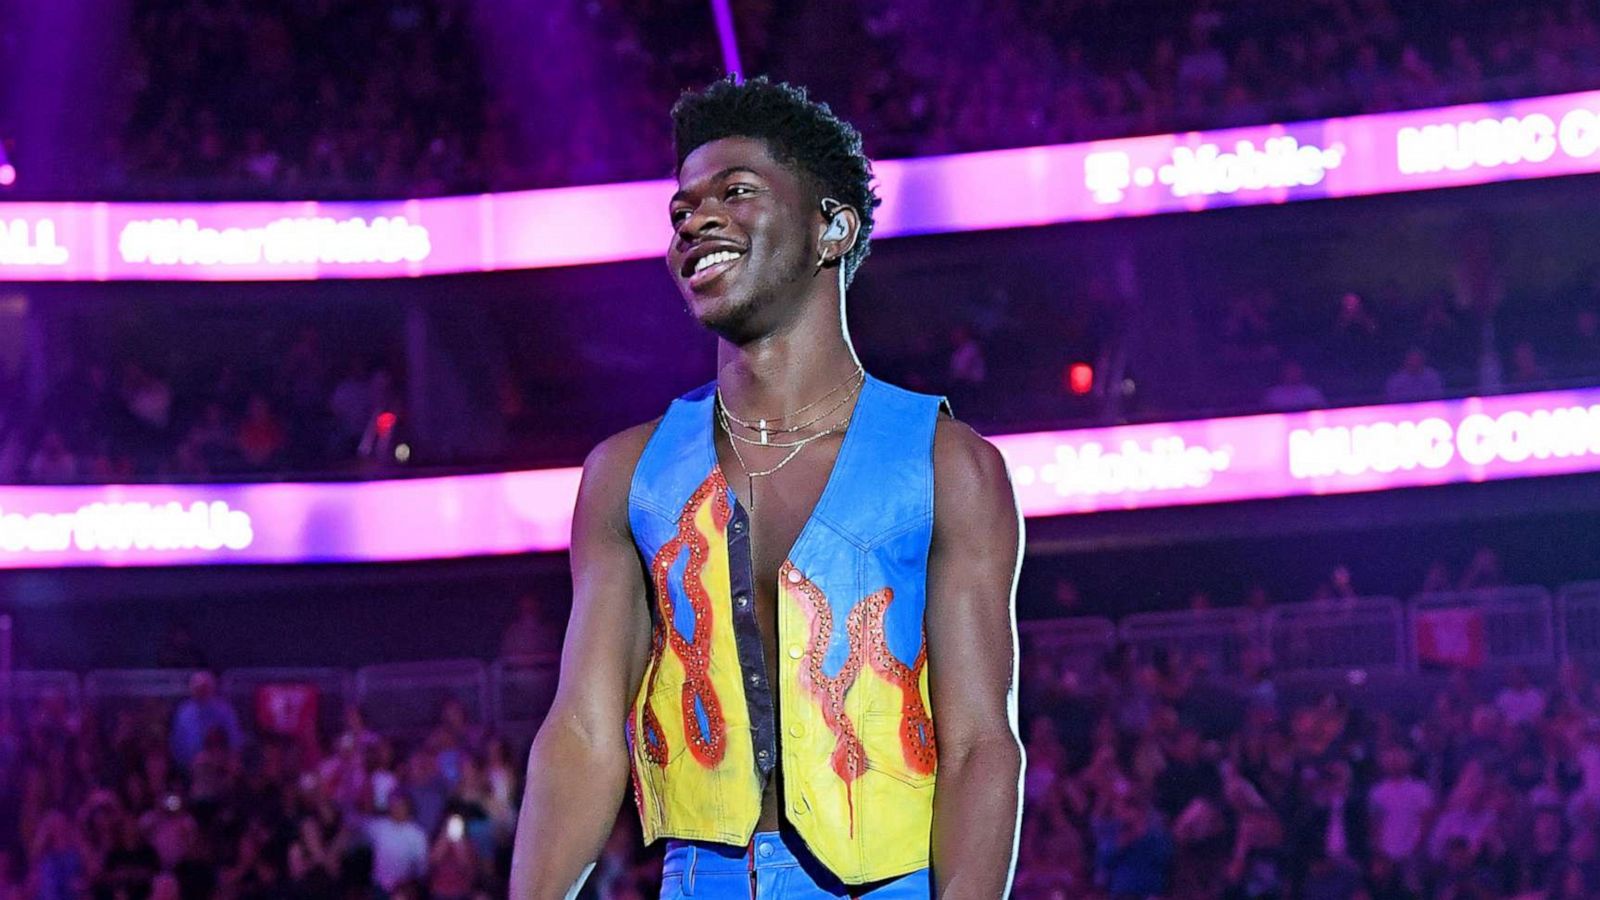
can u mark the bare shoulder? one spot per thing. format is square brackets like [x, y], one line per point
[619, 453]
[966, 466]
[608, 475]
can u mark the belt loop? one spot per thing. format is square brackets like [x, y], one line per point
[688, 875]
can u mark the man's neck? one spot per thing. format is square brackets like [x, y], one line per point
[787, 369]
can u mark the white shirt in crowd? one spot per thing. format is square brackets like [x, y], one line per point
[1400, 806]
[1294, 396]
[1520, 706]
[399, 852]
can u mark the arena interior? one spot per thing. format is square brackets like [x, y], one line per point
[1285, 315]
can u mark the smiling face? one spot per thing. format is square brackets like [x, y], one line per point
[745, 236]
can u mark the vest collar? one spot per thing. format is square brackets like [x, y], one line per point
[859, 417]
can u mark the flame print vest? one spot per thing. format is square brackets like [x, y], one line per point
[856, 735]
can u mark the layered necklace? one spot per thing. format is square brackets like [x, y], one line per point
[766, 428]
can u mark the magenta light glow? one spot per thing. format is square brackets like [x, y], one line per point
[1351, 157]
[1056, 473]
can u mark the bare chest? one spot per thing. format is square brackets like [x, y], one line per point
[783, 503]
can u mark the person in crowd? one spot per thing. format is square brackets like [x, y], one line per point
[197, 715]
[1526, 371]
[968, 368]
[1542, 860]
[57, 869]
[535, 631]
[428, 787]
[1415, 380]
[1468, 818]
[399, 846]
[1483, 571]
[1400, 809]
[1133, 849]
[52, 461]
[1292, 392]
[129, 867]
[262, 435]
[322, 838]
[452, 863]
[1521, 702]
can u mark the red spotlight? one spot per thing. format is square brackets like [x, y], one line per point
[8, 175]
[385, 423]
[1080, 378]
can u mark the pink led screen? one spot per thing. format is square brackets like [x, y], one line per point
[1363, 155]
[1056, 473]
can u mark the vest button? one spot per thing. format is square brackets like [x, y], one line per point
[741, 601]
[795, 577]
[795, 651]
[797, 730]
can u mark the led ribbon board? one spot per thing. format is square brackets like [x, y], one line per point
[1056, 473]
[1351, 157]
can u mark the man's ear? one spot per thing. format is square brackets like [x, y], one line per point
[841, 228]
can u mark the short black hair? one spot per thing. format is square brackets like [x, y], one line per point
[799, 132]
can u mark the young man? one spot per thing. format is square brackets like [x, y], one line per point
[786, 585]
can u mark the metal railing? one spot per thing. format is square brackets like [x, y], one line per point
[405, 698]
[1493, 626]
[1219, 639]
[1075, 645]
[1327, 635]
[334, 688]
[1499, 627]
[1578, 623]
[521, 690]
[25, 690]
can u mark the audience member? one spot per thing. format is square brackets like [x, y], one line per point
[203, 711]
[1292, 392]
[1415, 380]
[399, 846]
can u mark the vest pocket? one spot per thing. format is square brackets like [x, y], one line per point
[664, 702]
[880, 732]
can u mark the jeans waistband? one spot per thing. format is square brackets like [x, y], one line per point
[766, 851]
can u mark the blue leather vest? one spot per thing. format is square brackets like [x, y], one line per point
[856, 737]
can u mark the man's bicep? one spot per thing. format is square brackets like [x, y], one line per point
[972, 573]
[603, 655]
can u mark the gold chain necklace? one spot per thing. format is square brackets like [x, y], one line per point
[766, 429]
[726, 420]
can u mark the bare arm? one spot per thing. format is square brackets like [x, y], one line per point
[972, 578]
[578, 767]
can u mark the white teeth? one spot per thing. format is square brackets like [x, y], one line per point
[712, 259]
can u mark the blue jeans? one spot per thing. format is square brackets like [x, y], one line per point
[780, 867]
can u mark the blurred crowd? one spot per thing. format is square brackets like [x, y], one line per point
[303, 403]
[1384, 347]
[1263, 352]
[197, 801]
[1150, 775]
[337, 98]
[1161, 769]
[1148, 778]
[302, 408]
[1075, 70]
[323, 98]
